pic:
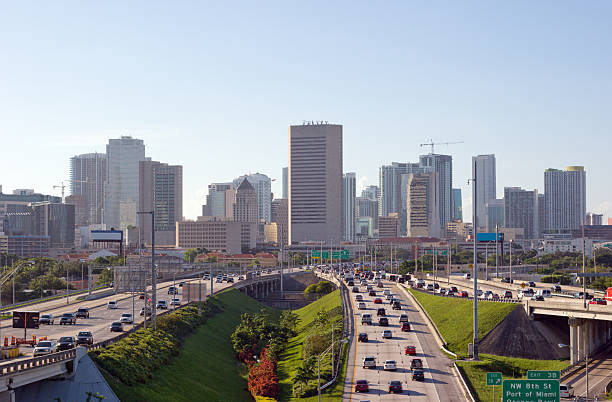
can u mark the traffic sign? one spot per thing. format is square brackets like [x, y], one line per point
[337, 254]
[436, 252]
[494, 378]
[523, 285]
[543, 374]
[531, 390]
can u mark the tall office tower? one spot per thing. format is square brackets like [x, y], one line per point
[565, 198]
[367, 208]
[87, 177]
[371, 192]
[388, 226]
[315, 183]
[485, 185]
[422, 209]
[263, 189]
[521, 210]
[121, 188]
[392, 194]
[443, 166]
[160, 189]
[542, 218]
[457, 205]
[245, 205]
[286, 182]
[495, 215]
[349, 213]
[56, 221]
[280, 216]
[219, 200]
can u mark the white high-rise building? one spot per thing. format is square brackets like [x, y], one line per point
[87, 177]
[219, 200]
[565, 198]
[443, 166]
[392, 192]
[121, 189]
[422, 207]
[263, 189]
[349, 212]
[485, 185]
[285, 191]
[315, 183]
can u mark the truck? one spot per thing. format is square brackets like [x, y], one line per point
[608, 295]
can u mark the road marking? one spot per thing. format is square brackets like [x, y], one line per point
[356, 343]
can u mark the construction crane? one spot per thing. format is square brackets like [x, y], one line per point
[431, 144]
[62, 186]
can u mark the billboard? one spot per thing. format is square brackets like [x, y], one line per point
[25, 319]
[489, 237]
[107, 235]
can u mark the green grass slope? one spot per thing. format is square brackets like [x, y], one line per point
[206, 368]
[454, 318]
[291, 357]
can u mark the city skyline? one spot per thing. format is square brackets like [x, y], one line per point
[533, 97]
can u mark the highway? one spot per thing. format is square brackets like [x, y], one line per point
[440, 383]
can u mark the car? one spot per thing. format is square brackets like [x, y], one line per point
[366, 319]
[45, 348]
[383, 321]
[161, 304]
[358, 297]
[416, 364]
[418, 375]
[84, 338]
[508, 294]
[142, 310]
[355, 289]
[219, 280]
[537, 298]
[172, 290]
[372, 293]
[580, 295]
[479, 293]
[410, 350]
[454, 289]
[46, 319]
[598, 300]
[68, 318]
[395, 387]
[65, 343]
[531, 284]
[350, 283]
[369, 362]
[141, 296]
[566, 391]
[387, 334]
[493, 296]
[175, 302]
[527, 293]
[507, 280]
[82, 312]
[116, 326]
[126, 318]
[397, 305]
[111, 305]
[555, 288]
[362, 337]
[241, 278]
[450, 293]
[463, 293]
[361, 386]
[181, 284]
[369, 287]
[405, 327]
[486, 294]
[379, 284]
[436, 285]
[378, 300]
[441, 291]
[389, 365]
[430, 287]
[381, 312]
[230, 280]
[386, 292]
[403, 318]
[361, 306]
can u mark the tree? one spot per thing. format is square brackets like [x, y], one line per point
[106, 276]
[191, 254]
[289, 321]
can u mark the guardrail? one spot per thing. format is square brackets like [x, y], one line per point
[467, 298]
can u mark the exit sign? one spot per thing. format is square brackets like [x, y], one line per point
[531, 391]
[543, 374]
[494, 378]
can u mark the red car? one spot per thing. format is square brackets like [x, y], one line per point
[416, 364]
[378, 300]
[362, 386]
[410, 350]
[463, 293]
[405, 327]
[598, 301]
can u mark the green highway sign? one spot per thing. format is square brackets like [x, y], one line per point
[436, 252]
[337, 254]
[494, 378]
[531, 391]
[543, 374]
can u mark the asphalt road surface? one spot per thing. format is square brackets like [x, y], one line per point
[440, 384]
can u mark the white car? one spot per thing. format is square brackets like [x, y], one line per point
[111, 305]
[44, 348]
[390, 365]
[126, 318]
[566, 391]
[362, 306]
[387, 292]
[175, 302]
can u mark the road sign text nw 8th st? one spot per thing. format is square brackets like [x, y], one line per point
[494, 378]
[531, 391]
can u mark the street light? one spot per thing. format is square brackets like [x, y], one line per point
[153, 275]
[343, 341]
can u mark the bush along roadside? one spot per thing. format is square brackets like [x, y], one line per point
[316, 290]
[135, 358]
[258, 341]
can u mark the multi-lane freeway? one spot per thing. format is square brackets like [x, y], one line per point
[440, 382]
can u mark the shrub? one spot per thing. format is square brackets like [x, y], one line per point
[263, 380]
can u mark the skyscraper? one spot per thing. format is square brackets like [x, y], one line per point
[367, 208]
[280, 216]
[565, 198]
[457, 205]
[485, 185]
[495, 215]
[285, 182]
[121, 189]
[263, 189]
[371, 192]
[87, 177]
[392, 194]
[220, 199]
[315, 183]
[349, 214]
[443, 166]
[160, 189]
[521, 211]
[422, 207]
[245, 211]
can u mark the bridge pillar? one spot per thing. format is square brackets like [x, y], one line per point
[574, 344]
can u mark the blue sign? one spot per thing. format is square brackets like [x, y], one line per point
[489, 237]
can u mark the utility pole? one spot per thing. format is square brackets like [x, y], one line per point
[583, 271]
[496, 251]
[153, 271]
[475, 232]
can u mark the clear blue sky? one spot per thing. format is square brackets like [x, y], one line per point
[214, 86]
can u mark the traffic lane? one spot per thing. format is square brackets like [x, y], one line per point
[600, 375]
[389, 349]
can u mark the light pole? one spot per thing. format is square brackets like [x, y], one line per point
[511, 241]
[475, 232]
[344, 341]
[153, 274]
[67, 301]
